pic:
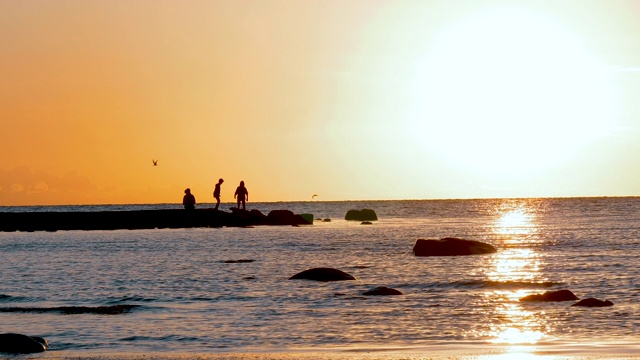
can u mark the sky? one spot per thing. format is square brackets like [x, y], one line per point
[346, 99]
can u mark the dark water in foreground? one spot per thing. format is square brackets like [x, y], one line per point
[188, 299]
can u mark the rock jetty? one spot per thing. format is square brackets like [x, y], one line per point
[144, 219]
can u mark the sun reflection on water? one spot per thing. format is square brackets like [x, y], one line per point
[520, 326]
[519, 221]
[516, 266]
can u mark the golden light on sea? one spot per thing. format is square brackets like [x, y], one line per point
[515, 226]
[521, 327]
[515, 264]
[518, 221]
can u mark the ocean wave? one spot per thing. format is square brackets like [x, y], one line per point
[136, 298]
[7, 298]
[171, 337]
[504, 284]
[72, 310]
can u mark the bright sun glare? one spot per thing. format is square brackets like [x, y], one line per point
[509, 93]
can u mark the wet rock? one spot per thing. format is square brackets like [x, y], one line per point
[323, 274]
[559, 295]
[307, 217]
[382, 290]
[451, 247]
[285, 217]
[366, 223]
[593, 302]
[326, 220]
[21, 344]
[41, 341]
[361, 215]
[257, 216]
[238, 261]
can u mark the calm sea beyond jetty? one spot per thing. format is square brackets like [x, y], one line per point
[225, 292]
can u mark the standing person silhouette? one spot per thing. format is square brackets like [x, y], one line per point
[216, 193]
[243, 195]
[189, 201]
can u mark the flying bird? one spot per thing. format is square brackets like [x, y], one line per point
[314, 195]
[155, 162]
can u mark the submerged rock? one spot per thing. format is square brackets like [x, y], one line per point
[361, 215]
[323, 274]
[72, 310]
[21, 344]
[593, 302]
[366, 223]
[382, 290]
[451, 247]
[560, 295]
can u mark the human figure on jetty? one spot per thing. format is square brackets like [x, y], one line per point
[216, 193]
[189, 201]
[243, 195]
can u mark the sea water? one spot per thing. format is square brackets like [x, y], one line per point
[192, 297]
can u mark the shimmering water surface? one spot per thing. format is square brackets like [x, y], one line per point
[190, 300]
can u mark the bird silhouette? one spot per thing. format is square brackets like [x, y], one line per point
[314, 195]
[155, 162]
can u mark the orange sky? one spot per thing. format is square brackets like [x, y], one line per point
[345, 99]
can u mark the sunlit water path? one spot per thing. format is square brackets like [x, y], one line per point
[190, 300]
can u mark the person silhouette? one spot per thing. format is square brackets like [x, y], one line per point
[189, 201]
[216, 193]
[243, 195]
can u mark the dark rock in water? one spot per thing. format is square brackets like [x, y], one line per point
[285, 217]
[41, 341]
[307, 217]
[323, 274]
[238, 261]
[560, 295]
[257, 216]
[21, 344]
[366, 223]
[361, 215]
[326, 220]
[382, 290]
[451, 247]
[249, 278]
[593, 302]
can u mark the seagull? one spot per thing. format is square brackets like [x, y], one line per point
[155, 162]
[314, 195]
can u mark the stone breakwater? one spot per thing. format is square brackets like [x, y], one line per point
[145, 219]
